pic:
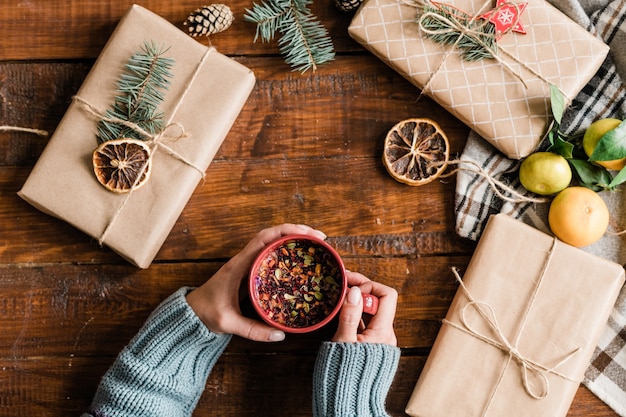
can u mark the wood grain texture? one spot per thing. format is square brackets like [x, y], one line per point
[343, 110]
[76, 29]
[240, 385]
[276, 165]
[88, 303]
[305, 148]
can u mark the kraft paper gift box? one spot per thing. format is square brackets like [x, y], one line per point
[207, 92]
[521, 328]
[487, 95]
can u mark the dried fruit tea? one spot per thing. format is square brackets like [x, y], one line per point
[299, 284]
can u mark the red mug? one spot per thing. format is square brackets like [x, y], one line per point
[298, 284]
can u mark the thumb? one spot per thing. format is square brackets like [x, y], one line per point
[257, 331]
[350, 317]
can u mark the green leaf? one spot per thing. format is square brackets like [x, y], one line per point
[551, 135]
[558, 103]
[619, 178]
[612, 145]
[590, 175]
[561, 147]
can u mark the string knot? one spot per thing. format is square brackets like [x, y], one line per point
[531, 369]
[159, 140]
[449, 25]
[476, 40]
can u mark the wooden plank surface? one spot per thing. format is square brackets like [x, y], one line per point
[75, 29]
[305, 148]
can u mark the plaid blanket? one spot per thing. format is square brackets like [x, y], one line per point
[475, 200]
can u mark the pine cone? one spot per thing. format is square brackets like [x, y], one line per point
[209, 20]
[347, 5]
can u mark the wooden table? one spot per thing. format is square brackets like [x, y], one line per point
[306, 148]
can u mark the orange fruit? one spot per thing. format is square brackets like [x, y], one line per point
[118, 163]
[416, 151]
[592, 136]
[545, 173]
[578, 216]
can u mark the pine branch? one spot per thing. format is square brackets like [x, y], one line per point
[470, 48]
[304, 43]
[141, 91]
[268, 17]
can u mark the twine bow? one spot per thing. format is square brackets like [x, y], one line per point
[446, 22]
[499, 340]
[466, 28]
[154, 141]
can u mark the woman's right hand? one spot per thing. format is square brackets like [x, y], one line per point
[380, 327]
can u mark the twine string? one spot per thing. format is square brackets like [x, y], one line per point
[455, 25]
[615, 225]
[38, 132]
[505, 192]
[500, 188]
[530, 368]
[126, 199]
[155, 141]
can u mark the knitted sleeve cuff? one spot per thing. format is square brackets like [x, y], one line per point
[353, 379]
[164, 368]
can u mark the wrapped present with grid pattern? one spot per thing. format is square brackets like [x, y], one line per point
[501, 89]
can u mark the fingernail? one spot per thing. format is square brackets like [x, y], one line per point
[307, 228]
[354, 295]
[276, 336]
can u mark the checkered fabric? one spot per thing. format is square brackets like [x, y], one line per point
[604, 96]
[607, 374]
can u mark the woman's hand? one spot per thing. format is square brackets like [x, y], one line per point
[380, 327]
[216, 302]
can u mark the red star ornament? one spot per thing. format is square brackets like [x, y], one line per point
[506, 16]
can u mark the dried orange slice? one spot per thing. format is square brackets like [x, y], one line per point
[118, 163]
[416, 151]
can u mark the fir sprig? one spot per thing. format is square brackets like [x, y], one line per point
[479, 45]
[304, 43]
[140, 92]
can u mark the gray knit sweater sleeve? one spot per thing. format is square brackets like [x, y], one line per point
[162, 372]
[353, 379]
[164, 369]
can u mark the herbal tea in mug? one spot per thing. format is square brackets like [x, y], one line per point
[297, 283]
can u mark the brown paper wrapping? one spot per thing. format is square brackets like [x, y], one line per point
[207, 93]
[546, 315]
[485, 95]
